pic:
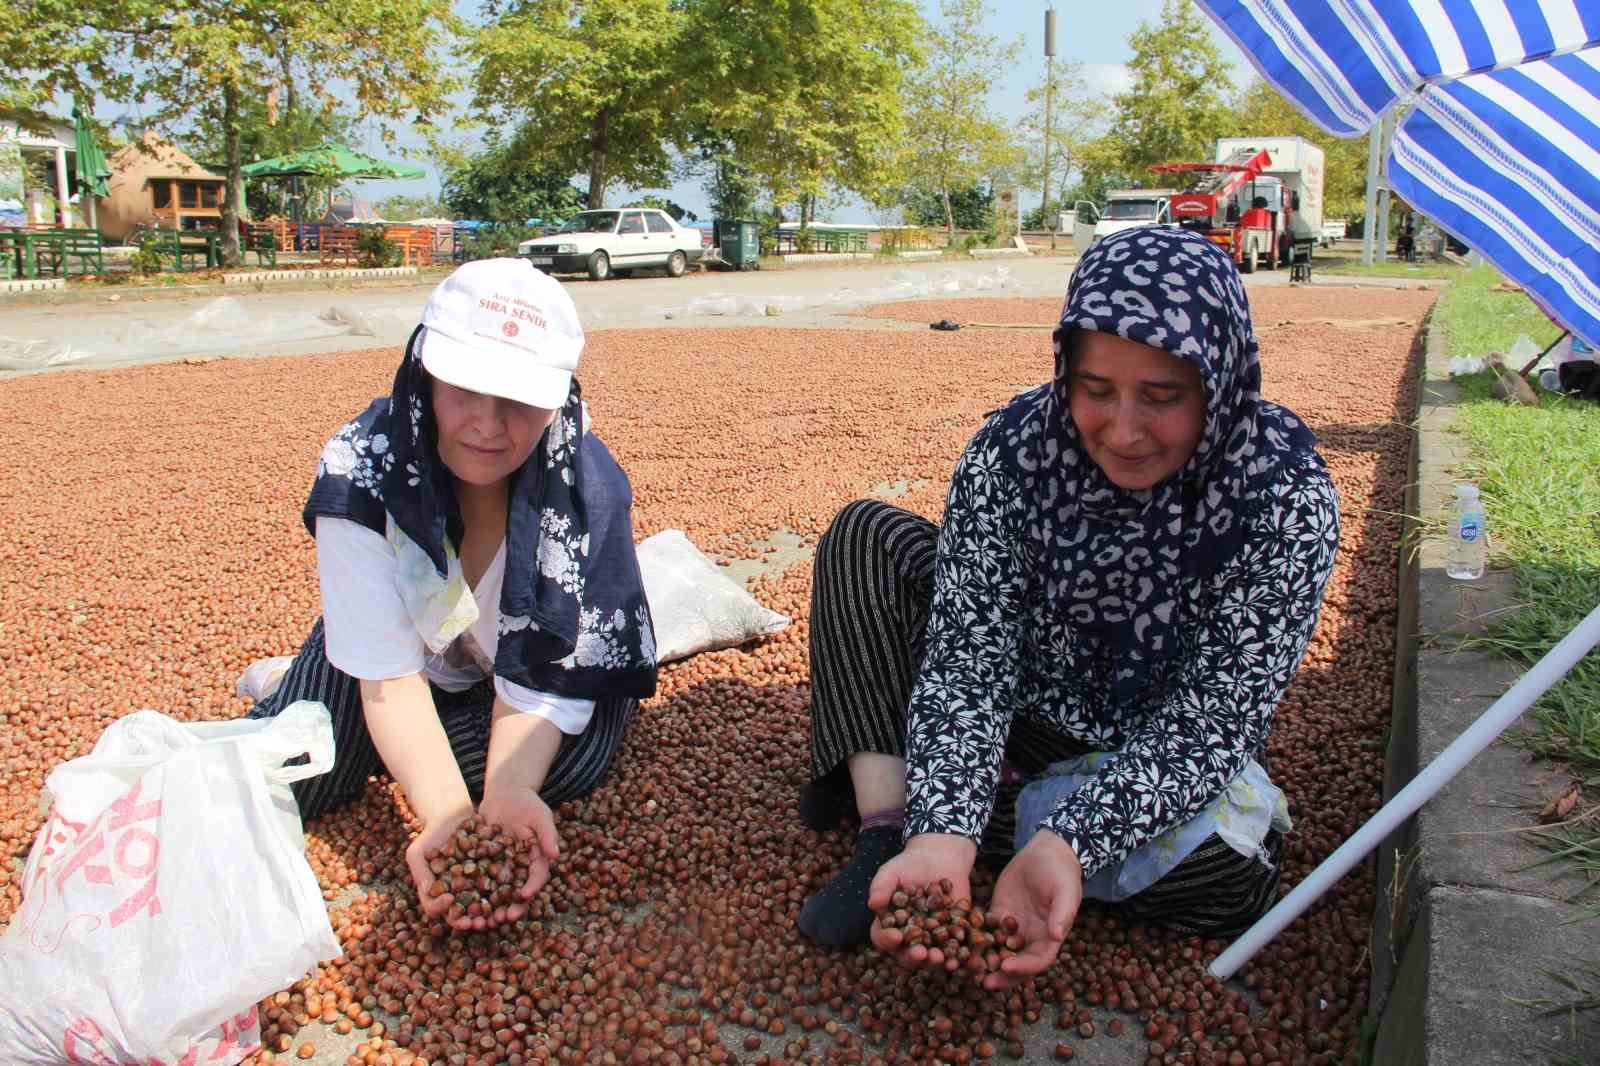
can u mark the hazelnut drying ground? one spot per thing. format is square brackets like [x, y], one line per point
[153, 549]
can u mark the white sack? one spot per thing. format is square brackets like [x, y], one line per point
[696, 607]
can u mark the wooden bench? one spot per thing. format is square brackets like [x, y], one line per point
[83, 245]
[182, 244]
[337, 242]
[415, 244]
[262, 239]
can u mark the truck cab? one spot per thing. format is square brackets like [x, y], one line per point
[1124, 209]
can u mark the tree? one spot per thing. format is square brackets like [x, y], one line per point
[1263, 112]
[596, 84]
[407, 208]
[200, 61]
[956, 140]
[1178, 104]
[509, 183]
[972, 207]
[265, 132]
[800, 97]
[661, 203]
[1076, 115]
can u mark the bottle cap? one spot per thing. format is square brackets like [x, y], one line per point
[1467, 489]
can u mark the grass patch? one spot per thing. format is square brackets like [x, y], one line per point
[1538, 469]
[1355, 268]
[1479, 317]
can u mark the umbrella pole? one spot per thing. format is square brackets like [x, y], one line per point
[1449, 762]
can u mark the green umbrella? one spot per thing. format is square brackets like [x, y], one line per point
[92, 168]
[328, 160]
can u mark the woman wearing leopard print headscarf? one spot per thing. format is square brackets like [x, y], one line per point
[1075, 675]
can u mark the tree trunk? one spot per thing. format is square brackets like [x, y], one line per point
[597, 161]
[230, 192]
[949, 215]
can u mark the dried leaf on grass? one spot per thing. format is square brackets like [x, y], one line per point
[1561, 804]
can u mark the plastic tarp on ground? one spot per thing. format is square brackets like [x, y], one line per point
[1500, 137]
[902, 285]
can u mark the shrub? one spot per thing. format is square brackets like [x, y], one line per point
[373, 249]
[146, 258]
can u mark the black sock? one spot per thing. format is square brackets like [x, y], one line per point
[824, 803]
[838, 915]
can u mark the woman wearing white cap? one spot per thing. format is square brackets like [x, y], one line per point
[485, 636]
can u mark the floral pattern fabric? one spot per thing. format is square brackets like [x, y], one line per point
[1160, 626]
[572, 579]
[996, 649]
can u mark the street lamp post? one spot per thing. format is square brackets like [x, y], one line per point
[1049, 92]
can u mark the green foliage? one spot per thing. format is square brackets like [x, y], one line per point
[957, 141]
[730, 187]
[407, 208]
[261, 138]
[798, 96]
[661, 203]
[373, 249]
[509, 183]
[146, 259]
[1178, 104]
[1263, 112]
[1042, 217]
[496, 241]
[1076, 115]
[199, 63]
[595, 84]
[972, 206]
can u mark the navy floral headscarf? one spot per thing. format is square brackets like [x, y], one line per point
[573, 616]
[1115, 560]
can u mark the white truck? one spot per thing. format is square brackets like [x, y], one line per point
[1299, 165]
[1124, 209]
[1260, 199]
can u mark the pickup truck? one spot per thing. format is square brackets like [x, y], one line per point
[614, 241]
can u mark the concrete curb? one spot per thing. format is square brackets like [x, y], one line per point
[825, 257]
[269, 277]
[998, 253]
[32, 284]
[1464, 932]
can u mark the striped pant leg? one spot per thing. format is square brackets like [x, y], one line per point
[579, 764]
[312, 677]
[1214, 892]
[871, 588]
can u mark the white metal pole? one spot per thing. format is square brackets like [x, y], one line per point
[61, 187]
[1374, 146]
[1449, 762]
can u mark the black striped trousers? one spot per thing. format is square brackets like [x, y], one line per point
[580, 763]
[871, 589]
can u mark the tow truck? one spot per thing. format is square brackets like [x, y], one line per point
[1254, 215]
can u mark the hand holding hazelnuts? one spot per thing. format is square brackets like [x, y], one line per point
[477, 872]
[953, 932]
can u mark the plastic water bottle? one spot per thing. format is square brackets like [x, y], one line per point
[1467, 532]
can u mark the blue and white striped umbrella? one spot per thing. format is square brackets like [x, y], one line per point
[1502, 143]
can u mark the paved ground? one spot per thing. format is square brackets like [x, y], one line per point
[106, 329]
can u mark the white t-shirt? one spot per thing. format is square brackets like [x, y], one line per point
[370, 635]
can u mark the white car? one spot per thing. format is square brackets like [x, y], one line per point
[614, 240]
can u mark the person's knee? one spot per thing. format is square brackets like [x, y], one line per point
[853, 531]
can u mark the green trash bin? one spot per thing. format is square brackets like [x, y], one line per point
[739, 242]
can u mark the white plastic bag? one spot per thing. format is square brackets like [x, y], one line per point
[167, 893]
[694, 606]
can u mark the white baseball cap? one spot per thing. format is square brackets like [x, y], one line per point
[503, 327]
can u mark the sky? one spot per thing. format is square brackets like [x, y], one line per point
[1095, 34]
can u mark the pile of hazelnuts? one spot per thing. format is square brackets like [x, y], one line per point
[957, 933]
[481, 867]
